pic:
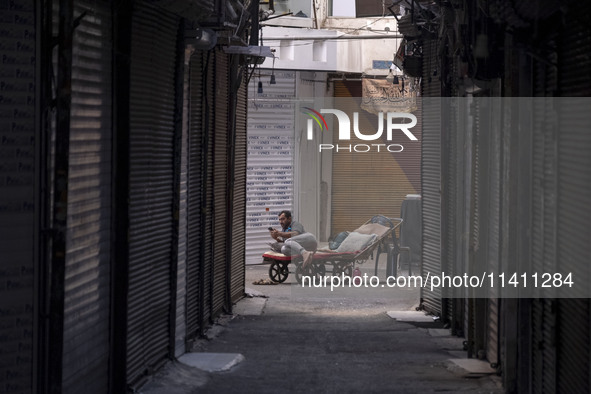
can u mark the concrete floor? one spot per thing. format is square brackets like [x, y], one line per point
[287, 339]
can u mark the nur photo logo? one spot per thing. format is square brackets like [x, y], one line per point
[394, 122]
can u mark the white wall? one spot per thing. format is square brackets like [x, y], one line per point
[319, 50]
[301, 49]
[312, 169]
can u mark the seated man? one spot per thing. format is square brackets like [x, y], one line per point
[294, 239]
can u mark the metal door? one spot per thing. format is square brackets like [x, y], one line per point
[152, 110]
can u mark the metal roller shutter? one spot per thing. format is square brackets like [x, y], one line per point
[220, 185]
[87, 279]
[478, 221]
[152, 108]
[367, 184]
[462, 208]
[449, 190]
[239, 203]
[19, 195]
[431, 177]
[181, 184]
[270, 159]
[544, 225]
[197, 152]
[537, 238]
[574, 188]
[493, 208]
[207, 199]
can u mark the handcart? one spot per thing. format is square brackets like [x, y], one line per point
[326, 261]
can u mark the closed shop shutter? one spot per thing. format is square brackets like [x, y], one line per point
[207, 207]
[431, 176]
[455, 191]
[210, 275]
[152, 107]
[183, 160]
[239, 203]
[449, 189]
[220, 184]
[490, 197]
[19, 195]
[195, 195]
[574, 188]
[370, 183]
[477, 313]
[463, 168]
[544, 223]
[270, 175]
[537, 321]
[87, 280]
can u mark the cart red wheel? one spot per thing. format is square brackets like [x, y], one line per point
[278, 271]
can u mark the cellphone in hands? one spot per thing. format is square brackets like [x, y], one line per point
[270, 228]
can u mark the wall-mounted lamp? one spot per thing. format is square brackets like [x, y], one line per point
[260, 89]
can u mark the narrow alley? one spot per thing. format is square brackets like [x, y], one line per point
[162, 162]
[297, 340]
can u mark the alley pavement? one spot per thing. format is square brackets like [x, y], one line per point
[288, 339]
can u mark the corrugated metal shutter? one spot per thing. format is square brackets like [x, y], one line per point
[18, 196]
[220, 185]
[152, 96]
[87, 281]
[544, 225]
[449, 190]
[181, 276]
[239, 203]
[197, 152]
[207, 207]
[431, 176]
[537, 362]
[574, 216]
[463, 168]
[455, 190]
[493, 208]
[269, 173]
[478, 317]
[208, 268]
[370, 183]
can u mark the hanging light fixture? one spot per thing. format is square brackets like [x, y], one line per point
[260, 89]
[395, 81]
[272, 81]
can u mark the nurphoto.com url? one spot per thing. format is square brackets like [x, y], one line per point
[500, 280]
